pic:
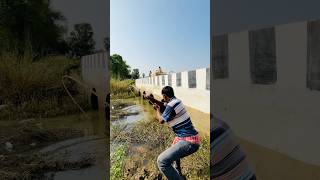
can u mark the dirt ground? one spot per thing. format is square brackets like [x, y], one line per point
[20, 142]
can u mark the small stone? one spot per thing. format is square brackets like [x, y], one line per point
[33, 144]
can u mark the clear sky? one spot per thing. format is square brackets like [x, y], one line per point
[173, 34]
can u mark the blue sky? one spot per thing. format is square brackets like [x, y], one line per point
[173, 34]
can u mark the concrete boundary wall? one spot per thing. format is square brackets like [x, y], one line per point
[197, 97]
[283, 116]
[95, 74]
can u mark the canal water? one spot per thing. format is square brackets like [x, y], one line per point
[141, 110]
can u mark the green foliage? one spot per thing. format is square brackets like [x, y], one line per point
[135, 74]
[117, 162]
[119, 68]
[31, 25]
[81, 41]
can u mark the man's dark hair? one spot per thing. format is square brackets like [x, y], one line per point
[168, 91]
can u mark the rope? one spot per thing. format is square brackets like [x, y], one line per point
[70, 95]
[131, 89]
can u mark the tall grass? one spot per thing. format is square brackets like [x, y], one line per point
[122, 88]
[35, 88]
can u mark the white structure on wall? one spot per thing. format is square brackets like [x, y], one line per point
[192, 87]
[95, 74]
[283, 115]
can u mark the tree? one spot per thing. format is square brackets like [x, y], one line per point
[81, 40]
[135, 74]
[119, 68]
[30, 25]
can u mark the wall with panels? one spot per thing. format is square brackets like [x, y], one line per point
[282, 115]
[192, 87]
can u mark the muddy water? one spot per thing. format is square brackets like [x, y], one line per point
[138, 152]
[143, 110]
[93, 144]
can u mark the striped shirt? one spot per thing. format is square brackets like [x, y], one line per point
[228, 162]
[178, 119]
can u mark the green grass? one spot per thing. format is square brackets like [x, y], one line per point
[117, 162]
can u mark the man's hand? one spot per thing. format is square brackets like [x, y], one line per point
[159, 117]
[156, 107]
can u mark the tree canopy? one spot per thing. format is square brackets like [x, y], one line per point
[81, 40]
[119, 68]
[135, 74]
[31, 25]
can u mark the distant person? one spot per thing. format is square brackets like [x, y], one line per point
[107, 107]
[227, 159]
[144, 95]
[187, 139]
[150, 74]
[160, 71]
[94, 99]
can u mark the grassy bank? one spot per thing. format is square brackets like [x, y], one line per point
[145, 141]
[30, 93]
[121, 89]
[34, 89]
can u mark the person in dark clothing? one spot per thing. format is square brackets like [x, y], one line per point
[94, 100]
[107, 107]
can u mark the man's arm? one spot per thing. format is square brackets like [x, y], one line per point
[159, 117]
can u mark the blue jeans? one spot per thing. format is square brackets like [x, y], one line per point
[175, 153]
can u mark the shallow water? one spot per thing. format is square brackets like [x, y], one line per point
[94, 144]
[145, 110]
[131, 118]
